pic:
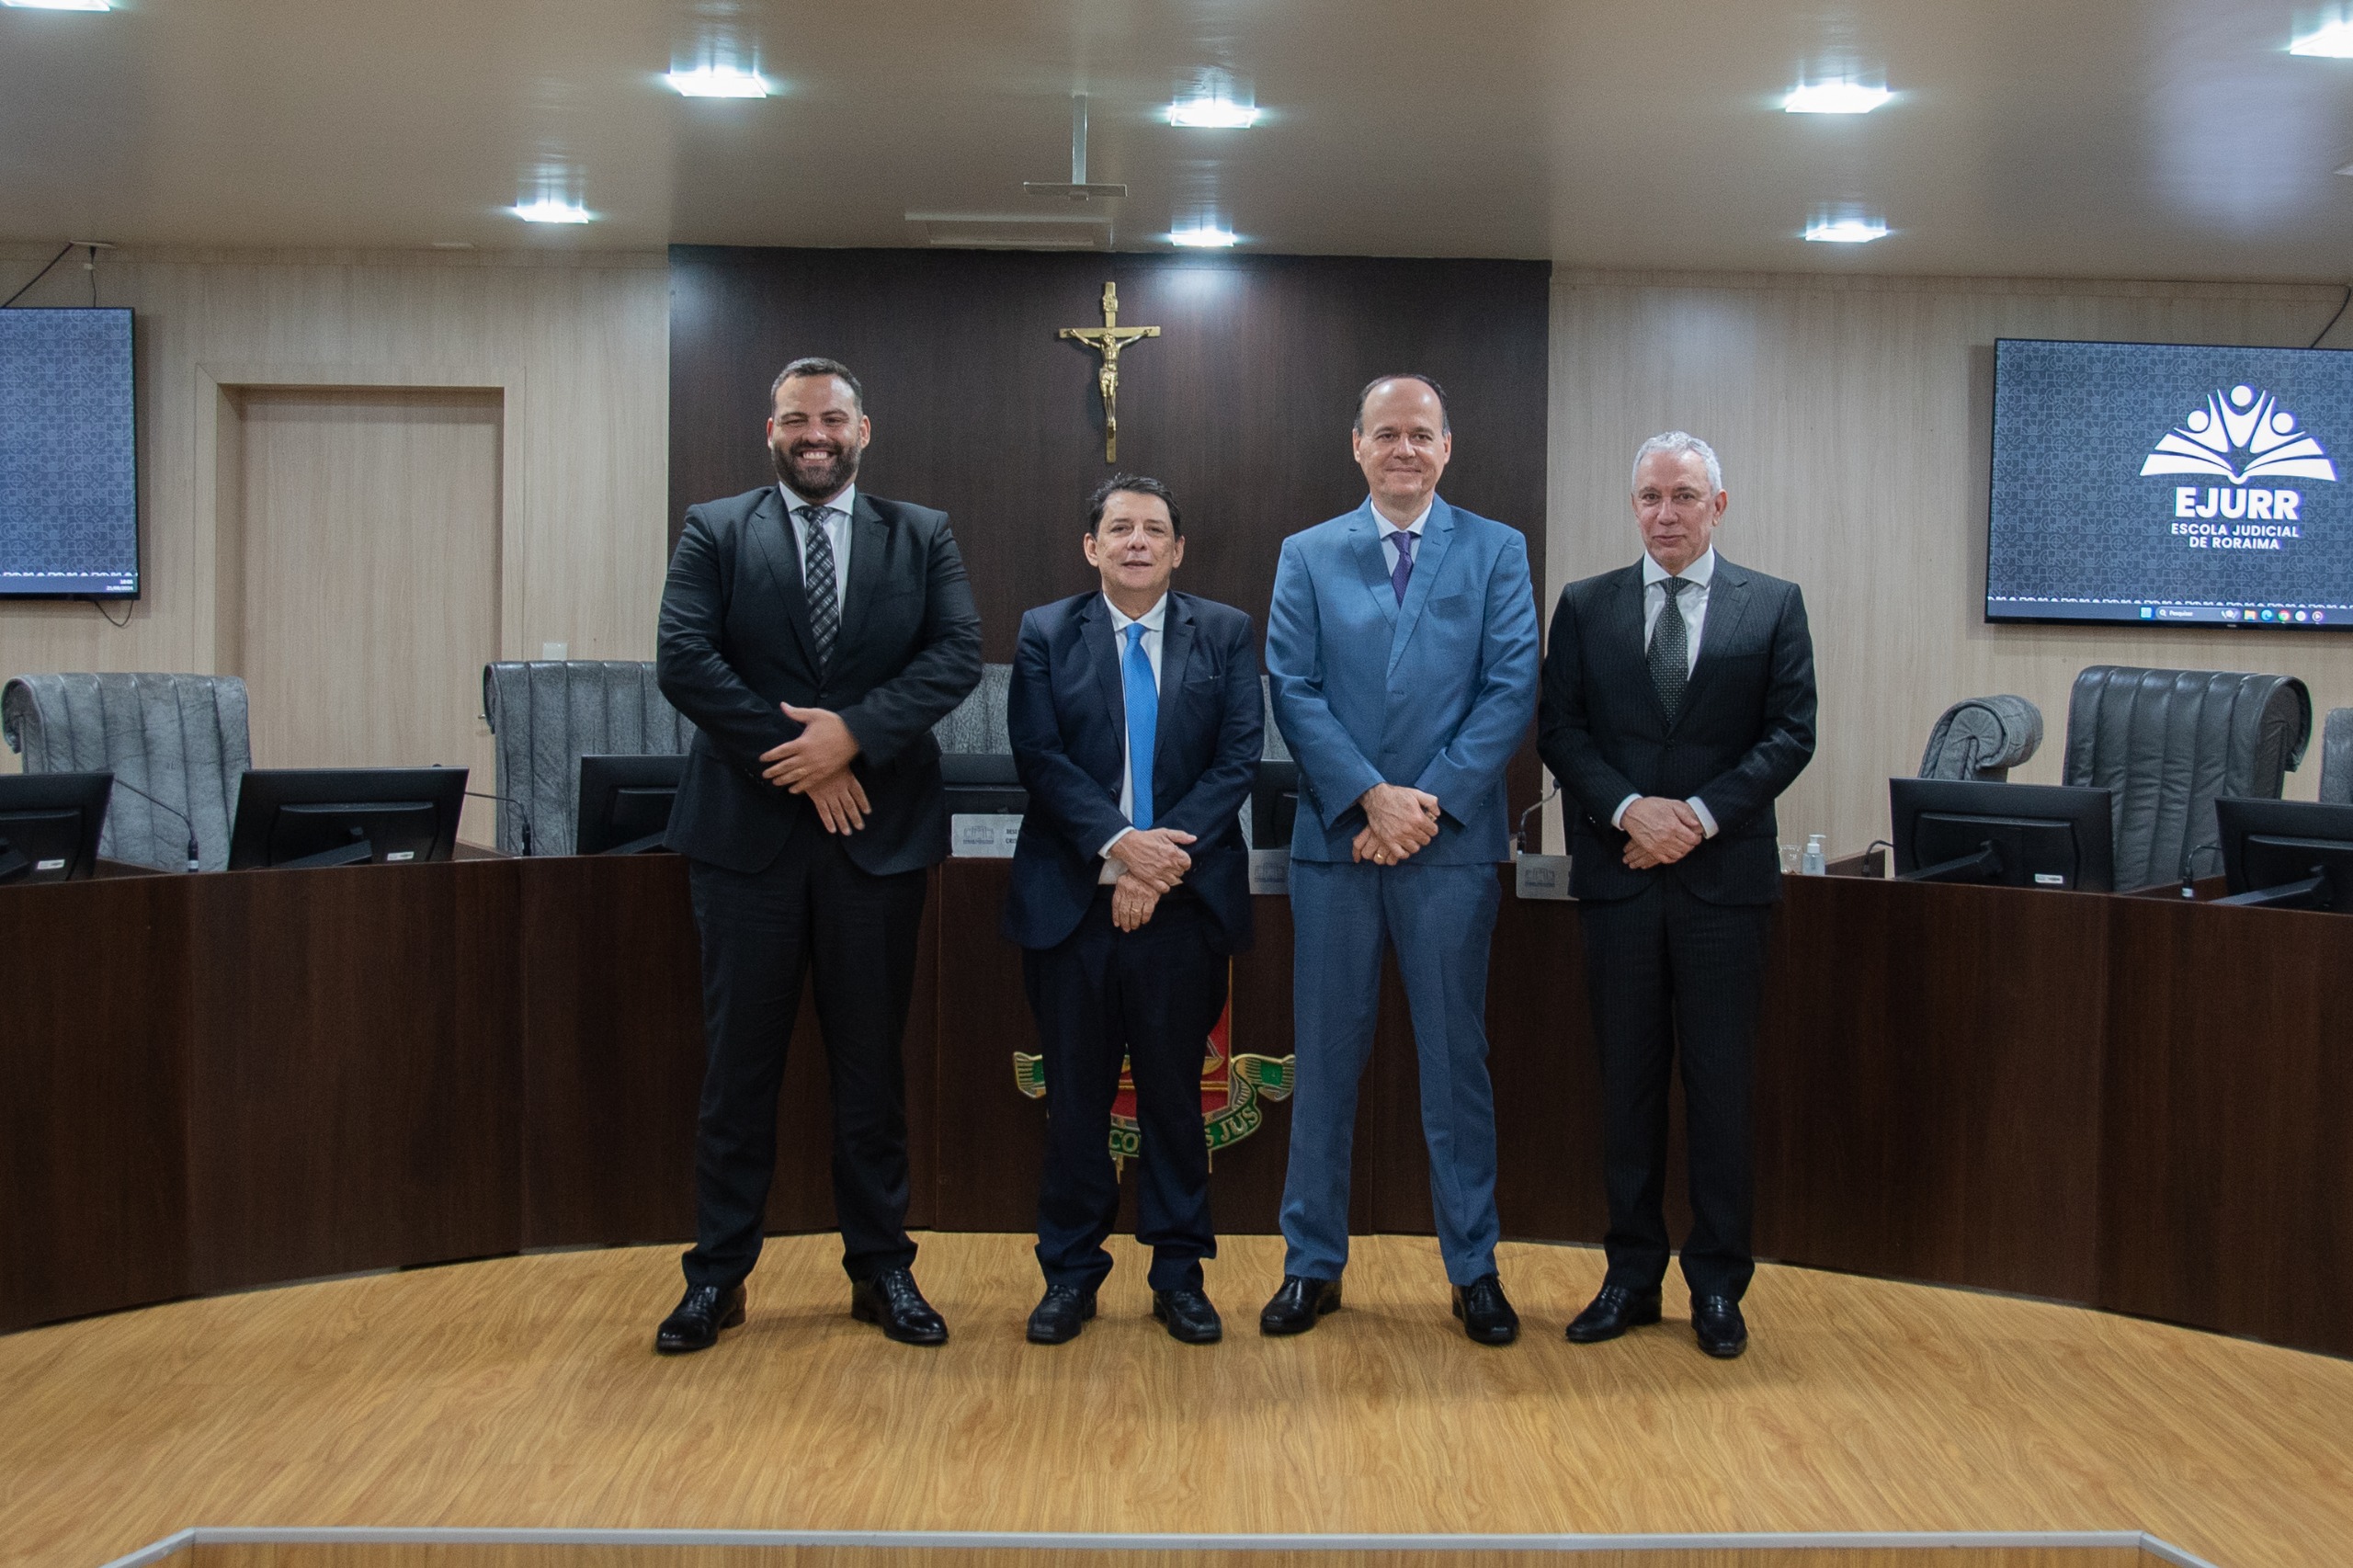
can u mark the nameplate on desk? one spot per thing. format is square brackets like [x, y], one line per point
[1270, 872]
[1540, 876]
[982, 836]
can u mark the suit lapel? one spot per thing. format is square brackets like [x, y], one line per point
[1364, 543]
[1727, 605]
[1626, 630]
[1175, 648]
[1103, 654]
[772, 532]
[869, 547]
[1437, 537]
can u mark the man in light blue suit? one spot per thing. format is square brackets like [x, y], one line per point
[1402, 659]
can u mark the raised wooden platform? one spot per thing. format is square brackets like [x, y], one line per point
[523, 1392]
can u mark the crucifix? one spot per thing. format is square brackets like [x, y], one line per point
[1108, 340]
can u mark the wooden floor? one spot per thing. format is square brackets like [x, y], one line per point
[523, 1392]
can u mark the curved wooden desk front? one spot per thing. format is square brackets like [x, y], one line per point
[214, 1082]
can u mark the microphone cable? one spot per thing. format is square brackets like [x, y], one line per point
[521, 811]
[122, 783]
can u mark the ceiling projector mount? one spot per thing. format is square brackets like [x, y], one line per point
[1078, 189]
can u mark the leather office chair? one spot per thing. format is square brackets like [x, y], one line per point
[2336, 759]
[181, 738]
[1983, 738]
[2168, 742]
[976, 727]
[547, 715]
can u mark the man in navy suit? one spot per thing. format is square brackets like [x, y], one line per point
[1678, 702]
[1136, 724]
[1402, 656]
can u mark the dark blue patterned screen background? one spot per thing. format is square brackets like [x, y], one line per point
[69, 464]
[2080, 532]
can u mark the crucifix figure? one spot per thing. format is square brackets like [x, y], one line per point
[1108, 340]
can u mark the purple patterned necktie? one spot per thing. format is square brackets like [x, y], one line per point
[1403, 571]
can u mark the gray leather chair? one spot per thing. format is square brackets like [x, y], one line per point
[181, 738]
[1983, 739]
[2336, 759]
[547, 715]
[2168, 742]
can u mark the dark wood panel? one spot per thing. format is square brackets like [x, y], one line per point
[989, 1139]
[354, 1079]
[1547, 1075]
[1928, 1083]
[612, 1051]
[93, 993]
[2227, 1197]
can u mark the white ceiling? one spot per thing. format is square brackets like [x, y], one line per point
[2108, 138]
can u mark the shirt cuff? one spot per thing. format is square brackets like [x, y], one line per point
[1618, 816]
[1105, 851]
[1707, 818]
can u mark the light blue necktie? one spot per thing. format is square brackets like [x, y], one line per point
[1143, 718]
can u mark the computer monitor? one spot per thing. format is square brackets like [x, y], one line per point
[2287, 854]
[295, 818]
[983, 785]
[2020, 835]
[625, 803]
[50, 825]
[1274, 803]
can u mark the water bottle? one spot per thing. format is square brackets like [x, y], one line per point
[1813, 862]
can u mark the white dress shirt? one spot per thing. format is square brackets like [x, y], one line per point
[1153, 621]
[835, 515]
[1389, 532]
[1693, 603]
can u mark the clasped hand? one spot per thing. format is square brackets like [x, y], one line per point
[1660, 831]
[1132, 901]
[815, 763]
[1153, 858]
[1399, 821]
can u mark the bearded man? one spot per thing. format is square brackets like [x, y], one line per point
[814, 636]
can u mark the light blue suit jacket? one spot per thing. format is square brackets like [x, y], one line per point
[1437, 693]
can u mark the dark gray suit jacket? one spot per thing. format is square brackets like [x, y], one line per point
[1745, 733]
[735, 644]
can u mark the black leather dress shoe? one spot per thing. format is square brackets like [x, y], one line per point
[1486, 1312]
[1612, 1312]
[694, 1324]
[892, 1300]
[1189, 1316]
[1299, 1304]
[1717, 1320]
[1061, 1314]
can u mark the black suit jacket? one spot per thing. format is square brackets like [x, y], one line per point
[1745, 733]
[1067, 712]
[735, 644]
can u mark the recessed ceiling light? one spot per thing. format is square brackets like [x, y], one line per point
[2332, 42]
[1212, 114]
[57, 5]
[1846, 231]
[1203, 238]
[547, 210]
[718, 81]
[1836, 97]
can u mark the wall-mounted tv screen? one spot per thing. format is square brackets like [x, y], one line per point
[69, 456]
[2171, 485]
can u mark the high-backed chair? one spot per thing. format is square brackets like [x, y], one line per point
[2168, 742]
[2336, 759]
[547, 715]
[1983, 738]
[181, 738]
[976, 727]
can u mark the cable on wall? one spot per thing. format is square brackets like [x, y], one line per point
[64, 251]
[100, 606]
[2334, 319]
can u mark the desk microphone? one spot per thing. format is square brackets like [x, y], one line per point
[121, 783]
[521, 811]
[1520, 841]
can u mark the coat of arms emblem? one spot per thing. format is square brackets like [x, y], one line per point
[1231, 1089]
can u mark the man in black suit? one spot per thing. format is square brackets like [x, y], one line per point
[1136, 720]
[1678, 703]
[813, 635]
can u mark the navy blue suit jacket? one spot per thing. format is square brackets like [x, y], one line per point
[1067, 714]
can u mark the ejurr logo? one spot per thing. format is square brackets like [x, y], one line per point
[2239, 436]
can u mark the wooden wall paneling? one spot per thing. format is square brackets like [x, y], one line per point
[2226, 1194]
[990, 1141]
[1547, 1075]
[1852, 415]
[354, 1083]
[612, 1050]
[1928, 1083]
[92, 1098]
